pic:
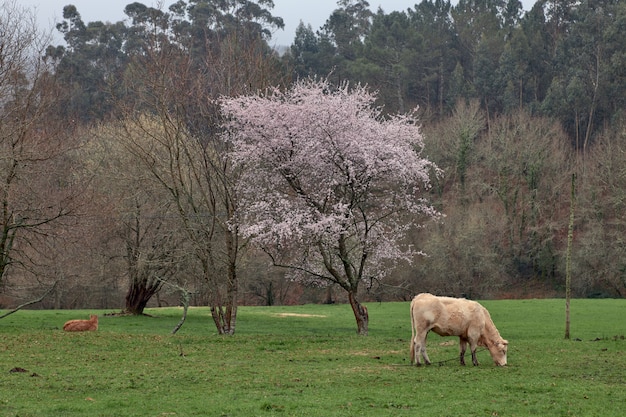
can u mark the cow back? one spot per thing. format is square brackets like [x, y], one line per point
[448, 316]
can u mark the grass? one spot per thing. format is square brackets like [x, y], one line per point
[308, 361]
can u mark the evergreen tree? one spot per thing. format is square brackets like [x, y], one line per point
[391, 59]
[479, 29]
[433, 22]
[586, 91]
[311, 55]
[90, 66]
[347, 26]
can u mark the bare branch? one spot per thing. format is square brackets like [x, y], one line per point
[38, 300]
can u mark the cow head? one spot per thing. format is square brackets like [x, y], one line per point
[498, 352]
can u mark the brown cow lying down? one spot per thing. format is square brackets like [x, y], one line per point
[447, 316]
[82, 325]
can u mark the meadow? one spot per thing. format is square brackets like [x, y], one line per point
[308, 361]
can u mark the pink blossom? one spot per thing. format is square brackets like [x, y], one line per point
[330, 187]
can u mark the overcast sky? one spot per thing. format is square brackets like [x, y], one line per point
[314, 12]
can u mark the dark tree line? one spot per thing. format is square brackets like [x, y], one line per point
[563, 59]
[97, 56]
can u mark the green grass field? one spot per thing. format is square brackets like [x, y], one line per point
[308, 361]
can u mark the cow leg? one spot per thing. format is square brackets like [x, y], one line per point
[424, 354]
[419, 350]
[463, 346]
[473, 347]
[415, 351]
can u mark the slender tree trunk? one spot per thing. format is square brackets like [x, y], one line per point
[232, 287]
[269, 294]
[488, 115]
[224, 318]
[577, 127]
[329, 295]
[441, 80]
[360, 314]
[592, 108]
[225, 314]
[521, 93]
[231, 307]
[568, 258]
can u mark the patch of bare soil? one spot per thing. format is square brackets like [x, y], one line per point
[124, 314]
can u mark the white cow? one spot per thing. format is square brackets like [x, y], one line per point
[448, 316]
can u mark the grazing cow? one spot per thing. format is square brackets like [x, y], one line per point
[82, 325]
[448, 316]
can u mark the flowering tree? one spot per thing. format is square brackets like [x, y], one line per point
[330, 187]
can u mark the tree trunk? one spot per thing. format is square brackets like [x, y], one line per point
[399, 94]
[568, 258]
[592, 108]
[224, 318]
[441, 79]
[225, 315]
[329, 295]
[138, 296]
[360, 314]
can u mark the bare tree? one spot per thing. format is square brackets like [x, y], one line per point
[188, 166]
[599, 257]
[504, 186]
[172, 128]
[144, 225]
[198, 186]
[523, 162]
[35, 192]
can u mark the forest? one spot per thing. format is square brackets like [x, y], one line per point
[116, 192]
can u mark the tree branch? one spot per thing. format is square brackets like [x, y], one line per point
[21, 306]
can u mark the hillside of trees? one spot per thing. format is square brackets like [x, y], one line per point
[116, 192]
